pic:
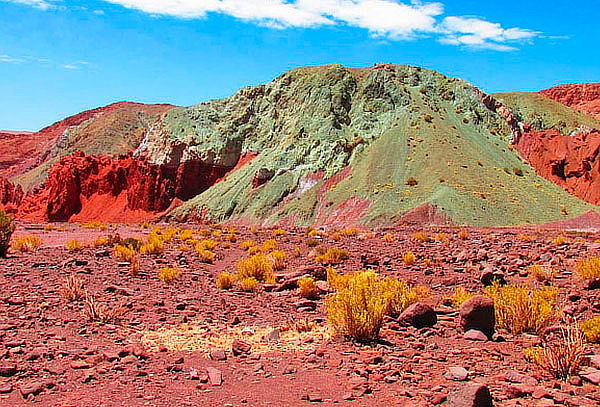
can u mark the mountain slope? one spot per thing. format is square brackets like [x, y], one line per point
[584, 97]
[335, 145]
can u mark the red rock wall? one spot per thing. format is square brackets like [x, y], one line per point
[572, 162]
[583, 97]
[105, 189]
[10, 195]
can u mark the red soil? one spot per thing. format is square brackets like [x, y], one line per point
[583, 97]
[572, 162]
[100, 188]
[588, 222]
[425, 214]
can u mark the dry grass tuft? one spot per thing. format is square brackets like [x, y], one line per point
[333, 256]
[307, 288]
[249, 284]
[127, 254]
[168, 274]
[460, 295]
[26, 244]
[205, 256]
[257, 266]
[522, 308]
[409, 258]
[591, 329]
[562, 353]
[589, 268]
[278, 259]
[74, 245]
[73, 289]
[96, 312]
[226, 281]
[541, 273]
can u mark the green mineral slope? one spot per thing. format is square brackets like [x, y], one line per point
[396, 136]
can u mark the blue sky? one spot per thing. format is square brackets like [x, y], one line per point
[59, 57]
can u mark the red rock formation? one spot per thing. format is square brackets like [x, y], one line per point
[572, 162]
[10, 195]
[583, 97]
[101, 188]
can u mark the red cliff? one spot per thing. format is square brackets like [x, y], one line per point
[583, 97]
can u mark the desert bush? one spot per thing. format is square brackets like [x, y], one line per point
[230, 237]
[388, 237]
[134, 242]
[278, 232]
[421, 237]
[312, 242]
[154, 245]
[307, 287]
[225, 281]
[93, 225]
[409, 258]
[168, 274]
[313, 233]
[460, 295]
[102, 241]
[333, 256]
[73, 289]
[362, 300]
[127, 254]
[249, 284]
[26, 244]
[185, 234]
[205, 256]
[559, 240]
[7, 228]
[257, 266]
[463, 234]
[562, 353]
[247, 244]
[278, 259]
[591, 329]
[207, 244]
[96, 312]
[522, 308]
[74, 245]
[525, 238]
[335, 236]
[589, 268]
[541, 273]
[349, 232]
[269, 244]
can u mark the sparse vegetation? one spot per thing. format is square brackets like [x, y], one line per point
[205, 256]
[249, 284]
[523, 308]
[460, 295]
[73, 289]
[74, 245]
[589, 268]
[7, 228]
[26, 244]
[541, 273]
[127, 254]
[257, 266]
[307, 288]
[333, 256]
[226, 281]
[409, 258]
[169, 274]
[591, 329]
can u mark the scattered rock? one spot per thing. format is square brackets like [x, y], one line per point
[418, 315]
[473, 395]
[591, 375]
[457, 373]
[478, 313]
[241, 348]
[8, 370]
[218, 355]
[215, 376]
[475, 335]
[489, 276]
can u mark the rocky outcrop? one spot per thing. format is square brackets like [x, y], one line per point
[116, 189]
[10, 195]
[583, 97]
[572, 162]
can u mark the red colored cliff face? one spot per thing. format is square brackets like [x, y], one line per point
[125, 189]
[583, 97]
[10, 195]
[572, 162]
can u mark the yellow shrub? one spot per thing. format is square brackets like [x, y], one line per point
[541, 273]
[204, 232]
[207, 244]
[145, 225]
[525, 238]
[277, 258]
[463, 234]
[225, 281]
[562, 353]
[460, 295]
[185, 234]
[206, 256]
[312, 242]
[403, 295]
[591, 329]
[127, 254]
[349, 232]
[48, 227]
[440, 237]
[269, 244]
[217, 233]
[409, 258]
[333, 256]
[254, 250]
[388, 237]
[26, 244]
[278, 232]
[335, 236]
[313, 233]
[93, 225]
[230, 237]
[169, 274]
[359, 305]
[589, 268]
[559, 240]
[102, 241]
[307, 287]
[257, 266]
[247, 244]
[521, 308]
[421, 237]
[249, 284]
[74, 245]
[154, 245]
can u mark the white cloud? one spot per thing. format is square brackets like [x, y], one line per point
[41, 4]
[11, 60]
[390, 19]
[477, 33]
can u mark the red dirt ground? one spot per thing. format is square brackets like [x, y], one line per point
[73, 362]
